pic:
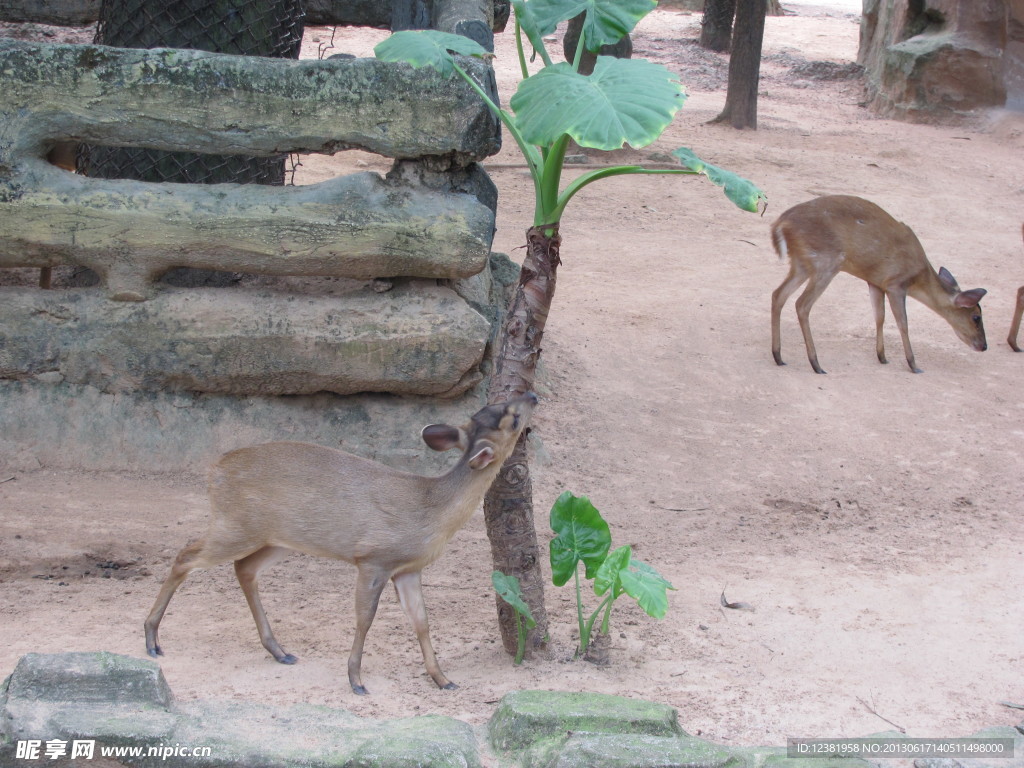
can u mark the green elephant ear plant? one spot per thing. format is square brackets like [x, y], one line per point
[582, 536]
[624, 101]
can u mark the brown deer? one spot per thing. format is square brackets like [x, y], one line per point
[271, 499]
[840, 233]
[1017, 312]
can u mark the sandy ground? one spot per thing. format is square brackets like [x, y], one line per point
[872, 517]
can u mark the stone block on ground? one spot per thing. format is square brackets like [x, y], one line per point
[82, 694]
[123, 703]
[526, 717]
[625, 750]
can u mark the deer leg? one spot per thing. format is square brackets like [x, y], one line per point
[188, 560]
[410, 595]
[898, 304]
[369, 584]
[780, 296]
[1015, 325]
[817, 285]
[878, 305]
[247, 569]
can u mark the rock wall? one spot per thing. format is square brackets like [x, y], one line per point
[937, 60]
[362, 307]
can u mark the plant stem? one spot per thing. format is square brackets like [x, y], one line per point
[584, 633]
[521, 647]
[607, 615]
[602, 173]
[519, 49]
[551, 177]
[589, 628]
[580, 47]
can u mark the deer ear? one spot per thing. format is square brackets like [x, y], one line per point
[443, 437]
[969, 298]
[482, 458]
[947, 279]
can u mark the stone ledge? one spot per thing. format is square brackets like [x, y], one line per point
[418, 339]
[131, 232]
[43, 700]
[188, 100]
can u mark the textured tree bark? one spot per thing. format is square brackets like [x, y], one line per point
[508, 506]
[716, 28]
[744, 66]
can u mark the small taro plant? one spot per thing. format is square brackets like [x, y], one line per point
[583, 536]
[508, 590]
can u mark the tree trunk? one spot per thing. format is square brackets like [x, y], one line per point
[716, 29]
[775, 8]
[508, 506]
[623, 49]
[744, 66]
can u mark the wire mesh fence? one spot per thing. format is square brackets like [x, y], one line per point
[271, 28]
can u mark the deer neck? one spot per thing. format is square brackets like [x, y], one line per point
[929, 290]
[458, 493]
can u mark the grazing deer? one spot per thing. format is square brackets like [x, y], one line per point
[271, 499]
[1017, 312]
[840, 233]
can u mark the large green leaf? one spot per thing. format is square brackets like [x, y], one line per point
[645, 585]
[583, 535]
[608, 575]
[607, 22]
[742, 192]
[428, 48]
[508, 590]
[624, 101]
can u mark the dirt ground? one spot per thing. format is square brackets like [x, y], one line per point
[872, 517]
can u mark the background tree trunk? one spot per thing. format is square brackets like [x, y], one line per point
[775, 8]
[716, 28]
[508, 506]
[744, 65]
[623, 49]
